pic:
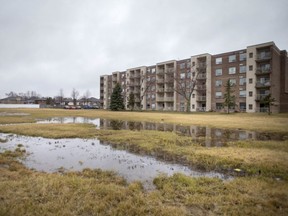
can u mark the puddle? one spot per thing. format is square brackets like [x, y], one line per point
[49, 155]
[206, 136]
[66, 120]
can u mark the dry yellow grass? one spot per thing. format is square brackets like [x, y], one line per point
[258, 121]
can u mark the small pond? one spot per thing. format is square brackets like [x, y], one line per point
[52, 155]
[206, 136]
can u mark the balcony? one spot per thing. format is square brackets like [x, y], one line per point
[160, 80]
[160, 90]
[114, 79]
[201, 98]
[160, 99]
[169, 89]
[260, 97]
[263, 56]
[137, 84]
[170, 70]
[201, 87]
[160, 71]
[136, 91]
[201, 76]
[261, 71]
[137, 76]
[201, 109]
[169, 80]
[169, 99]
[262, 109]
[261, 84]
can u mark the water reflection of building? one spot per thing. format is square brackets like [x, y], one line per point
[206, 136]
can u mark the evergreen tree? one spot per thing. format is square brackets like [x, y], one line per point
[268, 101]
[117, 102]
[229, 97]
[131, 101]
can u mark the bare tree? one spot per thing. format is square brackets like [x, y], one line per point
[74, 96]
[86, 97]
[11, 94]
[186, 84]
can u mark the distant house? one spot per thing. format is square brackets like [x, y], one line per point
[13, 100]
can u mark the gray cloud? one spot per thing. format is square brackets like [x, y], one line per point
[46, 45]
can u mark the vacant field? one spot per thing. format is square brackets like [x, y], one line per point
[258, 121]
[262, 188]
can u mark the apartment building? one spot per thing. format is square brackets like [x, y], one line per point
[198, 83]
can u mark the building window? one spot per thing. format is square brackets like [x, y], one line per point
[242, 68]
[250, 81]
[218, 83]
[193, 95]
[250, 94]
[182, 76]
[153, 71]
[193, 106]
[218, 94]
[189, 75]
[250, 67]
[250, 56]
[232, 82]
[232, 58]
[182, 65]
[218, 61]
[242, 56]
[218, 72]
[242, 93]
[232, 70]
[250, 106]
[242, 81]
[193, 63]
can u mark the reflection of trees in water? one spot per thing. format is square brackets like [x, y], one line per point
[205, 136]
[116, 124]
[134, 125]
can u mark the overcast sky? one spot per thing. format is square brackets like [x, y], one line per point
[46, 45]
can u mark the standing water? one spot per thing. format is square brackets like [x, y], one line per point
[50, 155]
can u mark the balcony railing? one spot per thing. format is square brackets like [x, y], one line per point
[262, 109]
[261, 96]
[160, 80]
[201, 98]
[169, 89]
[263, 71]
[201, 87]
[201, 76]
[263, 56]
[170, 70]
[201, 109]
[160, 71]
[160, 90]
[136, 91]
[169, 99]
[160, 99]
[263, 84]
